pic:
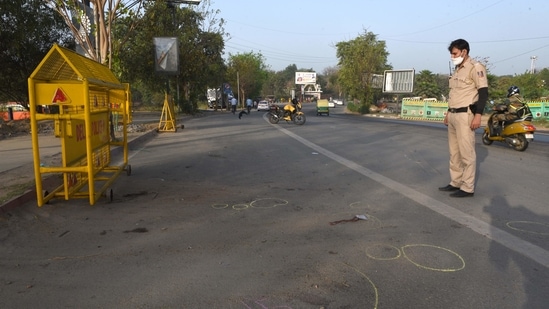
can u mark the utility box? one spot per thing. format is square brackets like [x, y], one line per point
[80, 97]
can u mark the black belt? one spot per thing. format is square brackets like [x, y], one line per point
[459, 110]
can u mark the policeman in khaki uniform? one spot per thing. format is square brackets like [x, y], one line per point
[468, 96]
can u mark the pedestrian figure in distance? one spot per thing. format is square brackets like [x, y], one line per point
[249, 104]
[233, 105]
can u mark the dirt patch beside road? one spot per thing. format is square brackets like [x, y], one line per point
[15, 128]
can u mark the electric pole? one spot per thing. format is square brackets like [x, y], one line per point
[533, 64]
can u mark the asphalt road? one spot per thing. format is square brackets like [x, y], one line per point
[239, 213]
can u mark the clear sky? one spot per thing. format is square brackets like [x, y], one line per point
[417, 33]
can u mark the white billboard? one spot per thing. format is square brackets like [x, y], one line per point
[304, 78]
[399, 81]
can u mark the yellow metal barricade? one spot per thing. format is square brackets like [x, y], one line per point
[80, 96]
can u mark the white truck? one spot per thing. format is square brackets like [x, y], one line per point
[214, 97]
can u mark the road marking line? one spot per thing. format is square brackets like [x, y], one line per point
[506, 239]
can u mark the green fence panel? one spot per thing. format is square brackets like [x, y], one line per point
[436, 110]
[539, 109]
[413, 109]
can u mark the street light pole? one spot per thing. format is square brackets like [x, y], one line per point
[533, 64]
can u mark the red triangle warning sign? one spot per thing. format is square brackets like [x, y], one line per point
[60, 97]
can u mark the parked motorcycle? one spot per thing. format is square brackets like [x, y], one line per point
[517, 133]
[290, 112]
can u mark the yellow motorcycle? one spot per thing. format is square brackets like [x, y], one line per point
[290, 112]
[517, 133]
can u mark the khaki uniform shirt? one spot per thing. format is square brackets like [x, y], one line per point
[464, 84]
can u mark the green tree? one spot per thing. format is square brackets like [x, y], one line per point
[135, 60]
[426, 85]
[287, 80]
[332, 87]
[28, 29]
[270, 85]
[531, 85]
[497, 88]
[89, 19]
[201, 65]
[359, 59]
[544, 77]
[443, 85]
[281, 83]
[247, 71]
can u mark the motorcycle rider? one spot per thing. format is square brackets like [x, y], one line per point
[288, 109]
[516, 103]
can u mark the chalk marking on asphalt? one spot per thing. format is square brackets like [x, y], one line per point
[374, 287]
[511, 225]
[220, 206]
[240, 206]
[359, 205]
[254, 204]
[402, 252]
[461, 260]
[506, 239]
[275, 202]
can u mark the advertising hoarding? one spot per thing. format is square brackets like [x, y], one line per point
[304, 78]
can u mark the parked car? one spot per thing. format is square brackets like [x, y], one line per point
[263, 105]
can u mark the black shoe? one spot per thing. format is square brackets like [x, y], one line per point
[461, 193]
[448, 188]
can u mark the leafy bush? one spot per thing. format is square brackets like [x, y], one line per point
[364, 109]
[352, 107]
[358, 108]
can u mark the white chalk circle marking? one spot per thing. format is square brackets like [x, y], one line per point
[268, 202]
[433, 257]
[531, 227]
[240, 206]
[359, 205]
[220, 206]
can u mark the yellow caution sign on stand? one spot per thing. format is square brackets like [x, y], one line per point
[167, 119]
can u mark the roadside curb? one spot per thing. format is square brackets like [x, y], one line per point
[53, 180]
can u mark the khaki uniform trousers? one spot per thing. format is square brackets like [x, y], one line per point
[463, 158]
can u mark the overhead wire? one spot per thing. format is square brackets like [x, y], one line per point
[278, 51]
[273, 53]
[454, 20]
[279, 54]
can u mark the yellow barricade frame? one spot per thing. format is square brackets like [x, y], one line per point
[80, 96]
